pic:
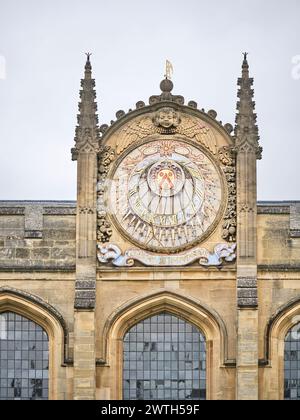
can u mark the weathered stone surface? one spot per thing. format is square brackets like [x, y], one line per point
[246, 282]
[247, 302]
[9, 210]
[247, 293]
[34, 234]
[272, 209]
[62, 253]
[11, 222]
[71, 210]
[85, 294]
[33, 221]
[85, 284]
[40, 253]
[27, 242]
[22, 253]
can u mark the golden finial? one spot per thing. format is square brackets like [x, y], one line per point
[169, 70]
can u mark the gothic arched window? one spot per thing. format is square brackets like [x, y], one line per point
[292, 364]
[164, 357]
[24, 359]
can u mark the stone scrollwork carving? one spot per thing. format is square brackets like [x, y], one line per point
[105, 157]
[227, 158]
[111, 252]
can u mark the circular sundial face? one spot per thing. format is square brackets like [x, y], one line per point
[165, 195]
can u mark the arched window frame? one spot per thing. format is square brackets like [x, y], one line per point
[189, 309]
[46, 316]
[278, 327]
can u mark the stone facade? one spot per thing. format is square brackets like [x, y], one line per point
[49, 269]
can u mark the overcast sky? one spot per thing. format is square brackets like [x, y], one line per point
[42, 45]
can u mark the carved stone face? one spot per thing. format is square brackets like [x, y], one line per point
[167, 118]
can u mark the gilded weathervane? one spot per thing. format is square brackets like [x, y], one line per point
[169, 70]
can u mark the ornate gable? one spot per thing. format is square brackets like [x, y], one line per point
[166, 185]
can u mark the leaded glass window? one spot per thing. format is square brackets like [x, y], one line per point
[292, 364]
[164, 357]
[24, 359]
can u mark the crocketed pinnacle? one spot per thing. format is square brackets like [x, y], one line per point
[87, 119]
[246, 128]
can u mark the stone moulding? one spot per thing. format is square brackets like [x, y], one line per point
[111, 252]
[37, 267]
[164, 299]
[36, 300]
[247, 292]
[12, 211]
[262, 209]
[288, 312]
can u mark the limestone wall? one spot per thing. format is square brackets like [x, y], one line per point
[37, 235]
[37, 255]
[278, 235]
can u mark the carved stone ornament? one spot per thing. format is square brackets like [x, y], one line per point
[85, 210]
[105, 157]
[166, 121]
[227, 158]
[111, 252]
[85, 141]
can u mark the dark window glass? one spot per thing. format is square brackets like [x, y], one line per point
[169, 364]
[23, 359]
[292, 364]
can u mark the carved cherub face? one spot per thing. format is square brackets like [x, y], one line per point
[167, 118]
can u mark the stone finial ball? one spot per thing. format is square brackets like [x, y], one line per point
[166, 85]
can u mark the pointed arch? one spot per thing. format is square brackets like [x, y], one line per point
[178, 304]
[36, 309]
[285, 317]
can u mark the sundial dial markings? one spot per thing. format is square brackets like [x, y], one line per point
[127, 215]
[158, 204]
[172, 212]
[185, 231]
[150, 202]
[173, 235]
[165, 208]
